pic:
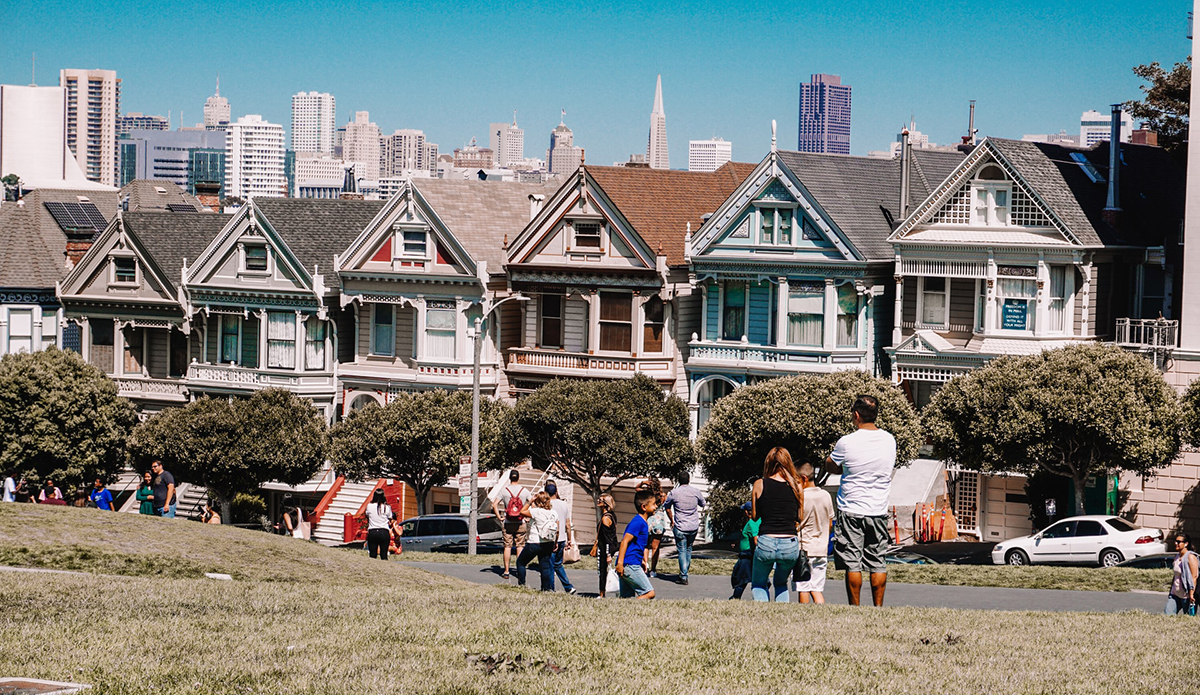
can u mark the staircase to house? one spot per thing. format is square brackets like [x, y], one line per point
[190, 500]
[341, 499]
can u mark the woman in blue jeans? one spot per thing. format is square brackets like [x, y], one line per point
[778, 503]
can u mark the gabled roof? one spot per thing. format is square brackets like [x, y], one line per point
[170, 237]
[480, 214]
[317, 230]
[142, 194]
[32, 245]
[659, 203]
[855, 191]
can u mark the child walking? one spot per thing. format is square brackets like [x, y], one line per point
[631, 558]
[745, 562]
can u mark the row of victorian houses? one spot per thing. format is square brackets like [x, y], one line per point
[914, 269]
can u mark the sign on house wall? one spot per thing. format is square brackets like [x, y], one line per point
[1014, 314]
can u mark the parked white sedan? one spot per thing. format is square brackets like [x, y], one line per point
[1081, 540]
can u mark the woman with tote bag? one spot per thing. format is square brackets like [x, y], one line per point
[606, 545]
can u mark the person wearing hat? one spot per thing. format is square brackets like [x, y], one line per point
[565, 537]
[745, 562]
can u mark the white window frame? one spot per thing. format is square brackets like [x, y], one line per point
[721, 311]
[324, 342]
[221, 338]
[430, 331]
[400, 251]
[920, 317]
[576, 248]
[8, 349]
[256, 242]
[296, 347]
[112, 273]
[794, 287]
[561, 318]
[1031, 313]
[392, 345]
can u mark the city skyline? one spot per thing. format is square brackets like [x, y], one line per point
[1046, 81]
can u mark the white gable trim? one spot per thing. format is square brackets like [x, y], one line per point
[98, 254]
[248, 219]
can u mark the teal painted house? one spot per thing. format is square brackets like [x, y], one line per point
[795, 270]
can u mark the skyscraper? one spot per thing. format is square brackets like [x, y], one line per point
[508, 143]
[360, 145]
[254, 159]
[93, 102]
[407, 150]
[656, 148]
[824, 115]
[216, 110]
[563, 157]
[708, 155]
[139, 121]
[313, 122]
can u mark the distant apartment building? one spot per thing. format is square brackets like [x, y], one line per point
[824, 115]
[255, 159]
[507, 143]
[93, 102]
[165, 155]
[1096, 127]
[137, 121]
[708, 155]
[361, 146]
[313, 122]
[407, 150]
[216, 110]
[656, 147]
[206, 172]
[563, 156]
[1062, 137]
[318, 176]
[916, 140]
[474, 157]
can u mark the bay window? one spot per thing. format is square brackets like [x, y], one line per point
[441, 326]
[652, 332]
[551, 317]
[281, 339]
[20, 331]
[314, 344]
[1017, 298]
[733, 311]
[934, 300]
[806, 315]
[616, 321]
[847, 316]
[383, 335]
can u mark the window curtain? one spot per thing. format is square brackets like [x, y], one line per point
[847, 319]
[384, 340]
[1058, 292]
[734, 311]
[229, 339]
[314, 344]
[441, 326]
[281, 339]
[806, 317]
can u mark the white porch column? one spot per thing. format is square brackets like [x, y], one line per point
[298, 362]
[593, 334]
[118, 348]
[781, 320]
[36, 328]
[1042, 316]
[419, 329]
[898, 312]
[1085, 295]
[989, 303]
[704, 311]
[463, 347]
[639, 324]
[264, 331]
[830, 339]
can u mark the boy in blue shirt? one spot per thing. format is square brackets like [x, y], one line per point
[631, 558]
[101, 497]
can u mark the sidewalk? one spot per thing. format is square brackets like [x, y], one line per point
[710, 587]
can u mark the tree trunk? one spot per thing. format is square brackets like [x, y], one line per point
[225, 502]
[421, 493]
[1080, 480]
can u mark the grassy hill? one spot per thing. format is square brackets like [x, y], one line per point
[300, 618]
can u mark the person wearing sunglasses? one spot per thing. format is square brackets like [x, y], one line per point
[1183, 585]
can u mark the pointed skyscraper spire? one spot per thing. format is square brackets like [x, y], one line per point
[656, 148]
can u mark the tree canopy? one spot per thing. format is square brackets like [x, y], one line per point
[234, 446]
[417, 438]
[61, 418]
[598, 433]
[1164, 108]
[1076, 411]
[1191, 414]
[805, 414]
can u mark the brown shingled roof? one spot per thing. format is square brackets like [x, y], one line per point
[660, 203]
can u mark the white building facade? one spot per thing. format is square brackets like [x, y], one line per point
[313, 121]
[708, 155]
[656, 148]
[93, 102]
[1096, 127]
[407, 150]
[508, 143]
[216, 111]
[254, 159]
[361, 146]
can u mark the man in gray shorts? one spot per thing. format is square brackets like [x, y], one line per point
[865, 459]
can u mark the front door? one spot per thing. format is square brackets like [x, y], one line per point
[1054, 545]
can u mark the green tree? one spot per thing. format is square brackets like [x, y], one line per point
[1165, 106]
[61, 418]
[805, 414]
[417, 438]
[1191, 414]
[233, 446]
[597, 433]
[725, 509]
[1077, 411]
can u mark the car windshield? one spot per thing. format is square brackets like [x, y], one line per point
[1119, 524]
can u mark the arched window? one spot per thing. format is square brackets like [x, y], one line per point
[992, 193]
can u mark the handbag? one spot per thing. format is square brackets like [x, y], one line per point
[802, 572]
[571, 553]
[612, 582]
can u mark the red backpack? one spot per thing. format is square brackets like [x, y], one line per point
[513, 509]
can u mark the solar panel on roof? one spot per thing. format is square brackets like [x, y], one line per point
[77, 217]
[181, 207]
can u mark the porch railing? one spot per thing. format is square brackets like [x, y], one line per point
[1147, 333]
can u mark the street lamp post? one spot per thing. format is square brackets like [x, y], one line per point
[473, 516]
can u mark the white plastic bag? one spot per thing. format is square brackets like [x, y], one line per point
[612, 583]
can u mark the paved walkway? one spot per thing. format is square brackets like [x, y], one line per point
[927, 595]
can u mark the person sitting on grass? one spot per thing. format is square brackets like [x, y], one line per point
[745, 562]
[543, 539]
[211, 515]
[631, 557]
[50, 492]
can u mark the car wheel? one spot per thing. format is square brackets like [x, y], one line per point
[1110, 557]
[1016, 558]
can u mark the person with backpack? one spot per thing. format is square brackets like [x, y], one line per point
[543, 539]
[512, 500]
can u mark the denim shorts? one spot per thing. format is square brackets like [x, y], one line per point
[634, 582]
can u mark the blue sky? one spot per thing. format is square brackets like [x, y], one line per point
[728, 68]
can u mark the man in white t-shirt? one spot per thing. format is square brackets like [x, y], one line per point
[10, 487]
[865, 459]
[507, 508]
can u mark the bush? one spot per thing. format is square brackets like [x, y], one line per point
[725, 510]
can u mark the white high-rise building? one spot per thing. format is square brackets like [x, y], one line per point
[254, 159]
[563, 156]
[313, 122]
[93, 102]
[708, 155]
[1096, 127]
[216, 110]
[361, 146]
[407, 150]
[656, 149]
[508, 143]
[33, 137]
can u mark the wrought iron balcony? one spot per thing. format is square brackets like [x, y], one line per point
[1147, 333]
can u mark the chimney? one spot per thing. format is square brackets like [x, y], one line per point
[1112, 210]
[905, 156]
[535, 204]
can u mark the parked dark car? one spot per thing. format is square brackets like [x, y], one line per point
[448, 533]
[1151, 562]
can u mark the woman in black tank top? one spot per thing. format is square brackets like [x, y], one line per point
[778, 503]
